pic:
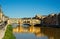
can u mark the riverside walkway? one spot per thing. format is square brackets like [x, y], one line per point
[3, 27]
[2, 32]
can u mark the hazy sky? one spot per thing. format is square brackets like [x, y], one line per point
[29, 8]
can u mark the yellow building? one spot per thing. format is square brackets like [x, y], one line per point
[1, 15]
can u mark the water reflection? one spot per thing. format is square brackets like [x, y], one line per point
[36, 32]
[28, 36]
[22, 32]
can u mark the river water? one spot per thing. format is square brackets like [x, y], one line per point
[49, 33]
[28, 36]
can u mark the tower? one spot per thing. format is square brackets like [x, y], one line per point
[1, 14]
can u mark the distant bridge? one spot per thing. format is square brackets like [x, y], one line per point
[23, 21]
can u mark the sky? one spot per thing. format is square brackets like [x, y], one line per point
[29, 8]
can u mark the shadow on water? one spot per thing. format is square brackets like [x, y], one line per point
[52, 33]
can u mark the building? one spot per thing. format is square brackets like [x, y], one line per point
[2, 16]
[51, 19]
[59, 18]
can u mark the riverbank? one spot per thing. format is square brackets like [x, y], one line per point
[2, 32]
[9, 33]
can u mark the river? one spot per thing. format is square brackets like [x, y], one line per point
[45, 33]
[28, 36]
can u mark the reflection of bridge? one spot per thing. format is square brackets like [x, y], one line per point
[31, 29]
[51, 33]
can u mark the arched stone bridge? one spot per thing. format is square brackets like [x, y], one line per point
[23, 21]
